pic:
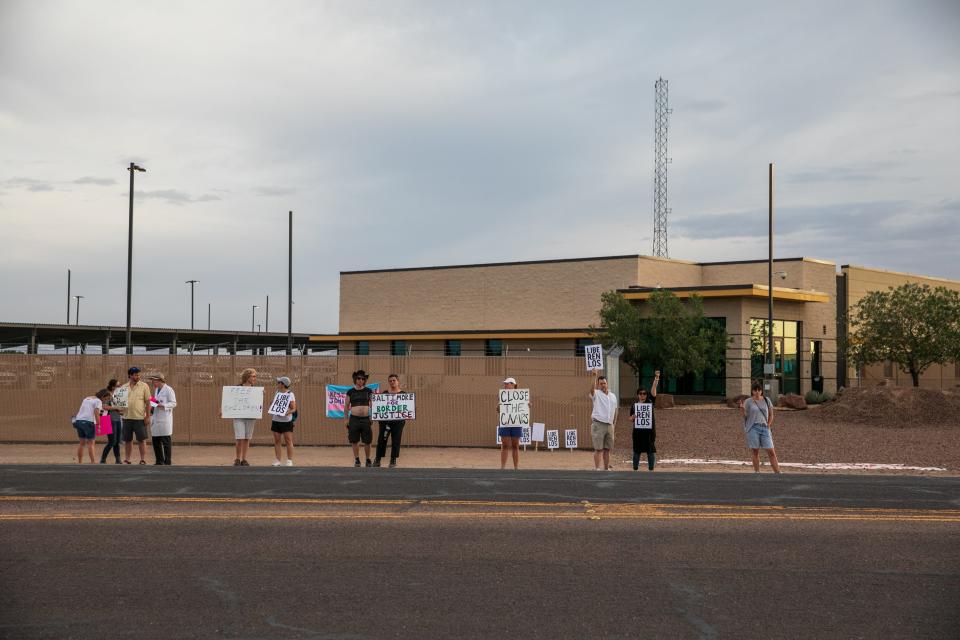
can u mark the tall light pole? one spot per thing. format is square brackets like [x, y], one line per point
[266, 320]
[191, 283]
[253, 317]
[290, 286]
[770, 369]
[78, 298]
[132, 168]
[208, 316]
[68, 296]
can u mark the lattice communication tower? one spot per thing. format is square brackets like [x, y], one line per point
[660, 162]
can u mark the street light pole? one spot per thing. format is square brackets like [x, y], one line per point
[78, 298]
[191, 283]
[68, 296]
[208, 316]
[266, 320]
[253, 317]
[770, 369]
[132, 168]
[290, 285]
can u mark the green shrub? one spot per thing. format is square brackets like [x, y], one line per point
[812, 397]
[826, 396]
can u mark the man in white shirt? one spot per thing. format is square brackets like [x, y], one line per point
[603, 417]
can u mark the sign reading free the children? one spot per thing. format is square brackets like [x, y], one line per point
[393, 406]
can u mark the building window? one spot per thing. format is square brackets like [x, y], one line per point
[451, 348]
[493, 347]
[361, 348]
[581, 349]
[398, 347]
[786, 340]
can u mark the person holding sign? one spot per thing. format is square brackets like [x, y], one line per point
[390, 428]
[243, 427]
[509, 434]
[757, 412]
[282, 408]
[645, 425]
[116, 424]
[358, 408]
[136, 417]
[161, 433]
[603, 417]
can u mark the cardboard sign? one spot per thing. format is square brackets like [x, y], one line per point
[570, 438]
[280, 404]
[525, 436]
[242, 402]
[393, 406]
[594, 356]
[337, 398]
[553, 439]
[120, 397]
[538, 428]
[643, 415]
[514, 407]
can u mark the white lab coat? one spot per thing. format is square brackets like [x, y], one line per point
[162, 423]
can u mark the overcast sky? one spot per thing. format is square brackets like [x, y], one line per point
[425, 133]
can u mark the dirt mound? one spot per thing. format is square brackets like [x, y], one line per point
[894, 407]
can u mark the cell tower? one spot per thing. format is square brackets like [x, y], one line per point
[660, 162]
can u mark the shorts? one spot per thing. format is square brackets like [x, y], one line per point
[759, 437]
[602, 434]
[243, 428]
[131, 427]
[280, 427]
[510, 432]
[85, 429]
[359, 430]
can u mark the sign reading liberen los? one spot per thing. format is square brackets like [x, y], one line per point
[594, 356]
[643, 415]
[393, 406]
[242, 402]
[553, 439]
[570, 438]
[514, 407]
[280, 404]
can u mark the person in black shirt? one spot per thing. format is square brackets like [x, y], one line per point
[390, 428]
[358, 407]
[644, 440]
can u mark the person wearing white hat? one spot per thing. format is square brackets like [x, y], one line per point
[161, 427]
[509, 436]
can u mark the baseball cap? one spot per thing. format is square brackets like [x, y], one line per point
[510, 381]
[133, 370]
[284, 380]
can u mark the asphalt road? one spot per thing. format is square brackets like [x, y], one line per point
[103, 552]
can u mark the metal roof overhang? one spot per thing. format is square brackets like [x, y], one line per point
[782, 294]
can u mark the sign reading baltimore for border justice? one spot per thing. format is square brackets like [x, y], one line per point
[514, 407]
[393, 406]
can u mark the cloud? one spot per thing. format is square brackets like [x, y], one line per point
[274, 191]
[175, 196]
[30, 184]
[103, 182]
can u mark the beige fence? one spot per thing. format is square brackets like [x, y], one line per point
[456, 396]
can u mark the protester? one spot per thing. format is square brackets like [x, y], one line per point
[243, 427]
[359, 425]
[86, 421]
[136, 417]
[282, 426]
[644, 440]
[509, 435]
[116, 425]
[757, 412]
[161, 432]
[603, 417]
[390, 429]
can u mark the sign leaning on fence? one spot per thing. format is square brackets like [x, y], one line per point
[242, 402]
[594, 356]
[514, 407]
[538, 428]
[570, 438]
[553, 439]
[643, 415]
[393, 406]
[525, 436]
[280, 404]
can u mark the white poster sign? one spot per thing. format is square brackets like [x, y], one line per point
[242, 402]
[280, 404]
[393, 406]
[499, 439]
[594, 355]
[643, 415]
[525, 436]
[570, 438]
[120, 396]
[514, 407]
[553, 439]
[538, 428]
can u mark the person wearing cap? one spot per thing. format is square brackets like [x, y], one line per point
[161, 431]
[509, 436]
[136, 417]
[282, 425]
[603, 417]
[359, 427]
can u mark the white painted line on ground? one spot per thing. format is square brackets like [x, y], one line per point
[863, 466]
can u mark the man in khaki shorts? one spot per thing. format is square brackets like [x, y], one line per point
[603, 417]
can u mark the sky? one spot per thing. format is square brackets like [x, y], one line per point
[411, 133]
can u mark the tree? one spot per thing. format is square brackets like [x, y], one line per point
[673, 336]
[913, 326]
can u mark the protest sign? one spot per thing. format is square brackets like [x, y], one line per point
[553, 439]
[337, 398]
[120, 396]
[514, 407]
[594, 356]
[242, 402]
[525, 436]
[393, 406]
[538, 428]
[280, 404]
[570, 438]
[499, 440]
[643, 415]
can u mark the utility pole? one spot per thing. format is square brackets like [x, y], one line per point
[191, 283]
[68, 296]
[208, 316]
[132, 168]
[266, 320]
[290, 286]
[770, 368]
[660, 161]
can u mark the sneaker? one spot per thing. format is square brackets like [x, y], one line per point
[369, 464]
[276, 463]
[356, 462]
[289, 463]
[244, 463]
[236, 462]
[393, 463]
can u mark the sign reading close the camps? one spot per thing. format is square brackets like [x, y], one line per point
[553, 439]
[594, 355]
[570, 438]
[120, 397]
[643, 415]
[393, 406]
[280, 404]
[514, 407]
[242, 402]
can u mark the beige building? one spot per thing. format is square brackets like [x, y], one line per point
[547, 307]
